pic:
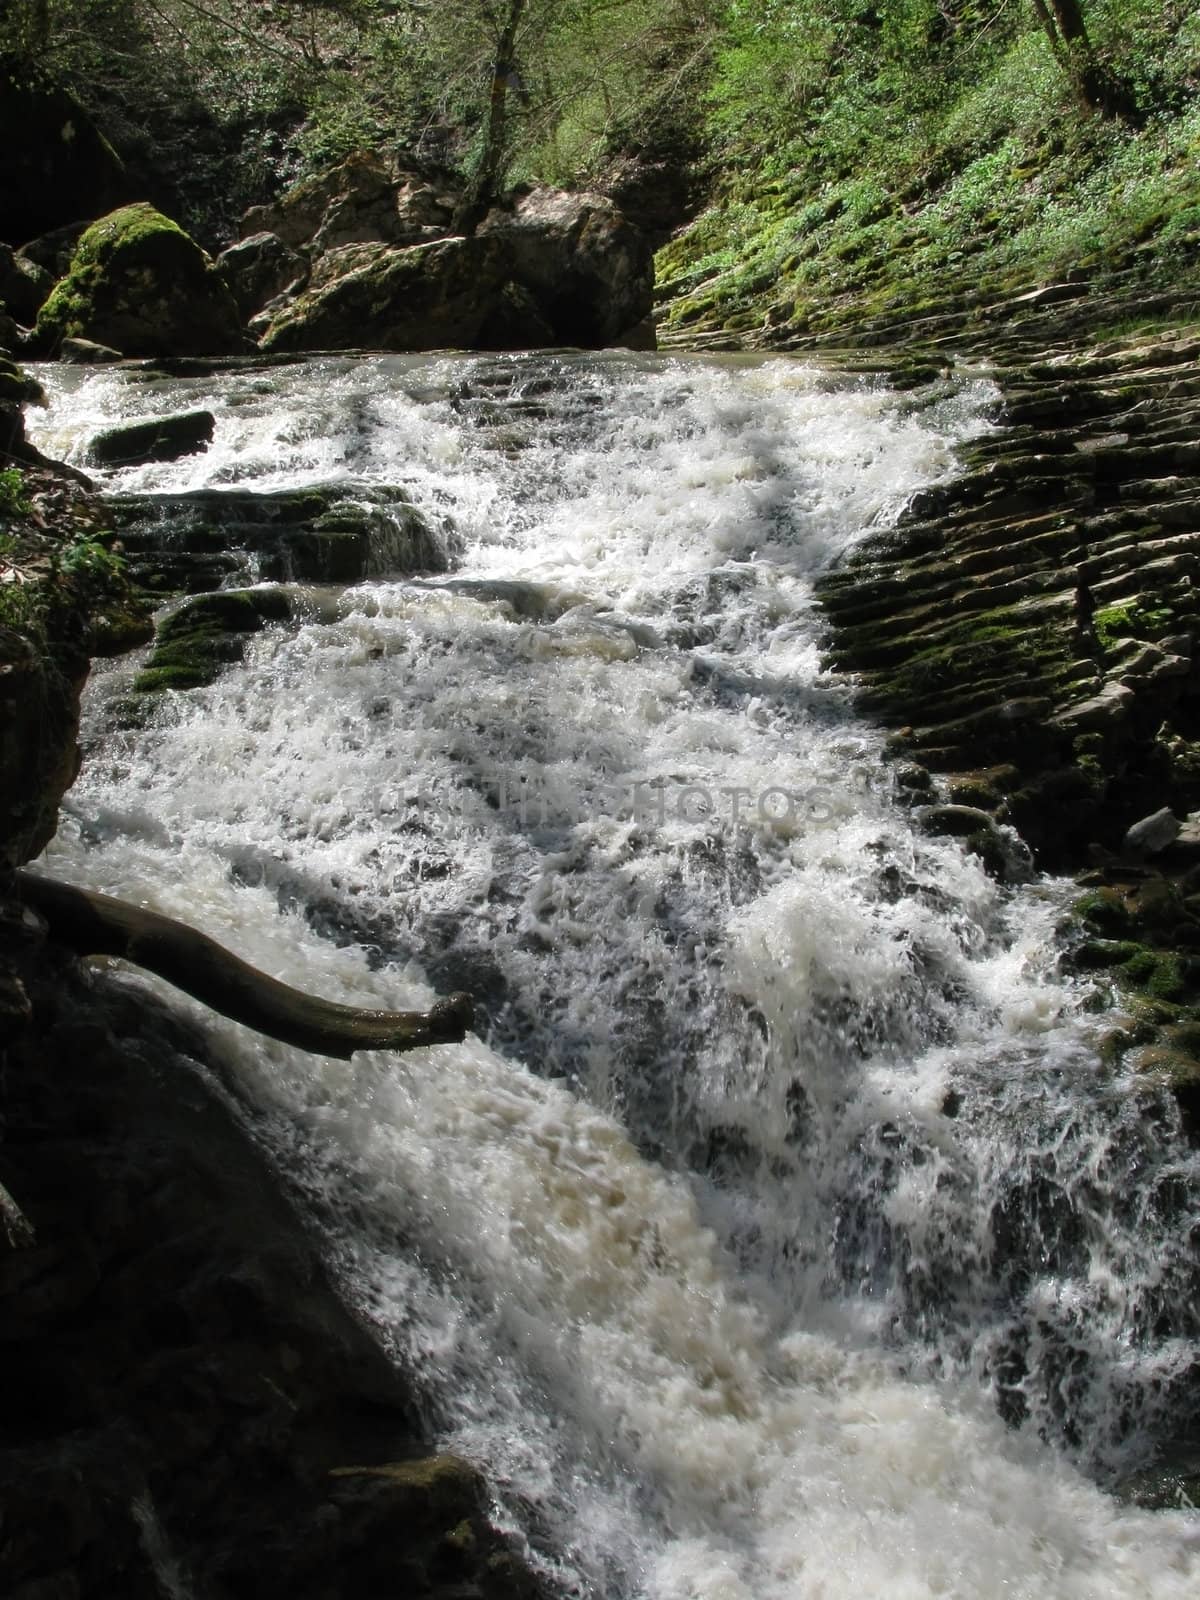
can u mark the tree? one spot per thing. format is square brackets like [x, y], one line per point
[502, 23]
[1097, 87]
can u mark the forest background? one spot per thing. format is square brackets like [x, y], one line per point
[874, 154]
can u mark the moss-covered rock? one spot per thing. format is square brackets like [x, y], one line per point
[387, 297]
[157, 439]
[137, 282]
[206, 634]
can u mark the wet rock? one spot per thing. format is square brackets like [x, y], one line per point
[87, 353]
[1152, 833]
[17, 387]
[956, 821]
[206, 634]
[1172, 1483]
[198, 541]
[157, 439]
[137, 282]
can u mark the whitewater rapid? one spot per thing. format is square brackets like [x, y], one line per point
[781, 1236]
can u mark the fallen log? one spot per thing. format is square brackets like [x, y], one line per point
[99, 924]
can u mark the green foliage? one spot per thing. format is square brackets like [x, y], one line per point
[13, 500]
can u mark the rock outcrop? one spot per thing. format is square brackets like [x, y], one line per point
[363, 257]
[590, 271]
[137, 282]
[361, 200]
[1031, 633]
[383, 297]
[1032, 629]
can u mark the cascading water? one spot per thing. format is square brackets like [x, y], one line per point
[787, 1182]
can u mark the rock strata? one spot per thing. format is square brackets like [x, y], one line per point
[202, 540]
[1038, 618]
[1031, 633]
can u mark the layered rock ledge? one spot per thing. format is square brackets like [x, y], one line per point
[1031, 634]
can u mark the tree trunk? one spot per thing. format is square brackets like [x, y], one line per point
[481, 190]
[97, 924]
[1096, 86]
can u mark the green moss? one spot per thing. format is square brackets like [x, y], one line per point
[1105, 912]
[207, 634]
[139, 283]
[1116, 624]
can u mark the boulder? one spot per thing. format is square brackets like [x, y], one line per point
[206, 634]
[954, 821]
[139, 283]
[57, 165]
[258, 268]
[548, 268]
[1152, 833]
[157, 439]
[87, 353]
[385, 297]
[17, 387]
[589, 269]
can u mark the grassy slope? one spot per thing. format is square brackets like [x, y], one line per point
[1010, 187]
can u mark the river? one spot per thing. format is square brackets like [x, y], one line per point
[781, 1234]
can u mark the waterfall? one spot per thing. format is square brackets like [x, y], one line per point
[782, 1233]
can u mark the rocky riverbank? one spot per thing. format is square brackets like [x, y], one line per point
[1031, 633]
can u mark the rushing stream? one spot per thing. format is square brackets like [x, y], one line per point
[782, 1234]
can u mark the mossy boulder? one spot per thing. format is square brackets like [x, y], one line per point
[206, 634]
[386, 297]
[157, 439]
[137, 282]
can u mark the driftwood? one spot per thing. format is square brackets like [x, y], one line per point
[98, 924]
